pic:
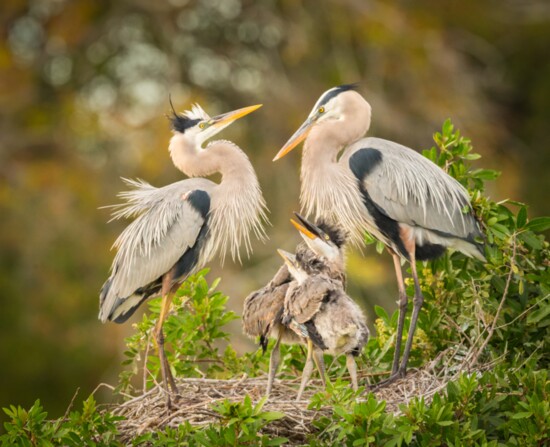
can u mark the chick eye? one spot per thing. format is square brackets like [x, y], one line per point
[321, 109]
[202, 125]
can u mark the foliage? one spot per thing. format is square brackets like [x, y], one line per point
[192, 334]
[88, 427]
[495, 312]
[499, 408]
[240, 424]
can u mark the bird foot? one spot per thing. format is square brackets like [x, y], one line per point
[172, 399]
[392, 379]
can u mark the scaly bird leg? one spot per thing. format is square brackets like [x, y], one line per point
[400, 371]
[352, 368]
[273, 364]
[167, 378]
[308, 369]
[403, 302]
[320, 364]
[417, 305]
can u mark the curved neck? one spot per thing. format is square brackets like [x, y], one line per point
[328, 187]
[219, 156]
[237, 205]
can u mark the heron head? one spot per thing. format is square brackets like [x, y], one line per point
[198, 125]
[331, 106]
[294, 267]
[324, 240]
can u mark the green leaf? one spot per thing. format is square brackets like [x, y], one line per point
[485, 174]
[445, 423]
[539, 224]
[272, 415]
[522, 217]
[471, 156]
[447, 127]
[522, 415]
[531, 239]
[539, 314]
[381, 312]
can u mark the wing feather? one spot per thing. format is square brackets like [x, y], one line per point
[304, 300]
[167, 226]
[409, 188]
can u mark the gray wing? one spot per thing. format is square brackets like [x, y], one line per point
[168, 225]
[304, 300]
[264, 306]
[411, 189]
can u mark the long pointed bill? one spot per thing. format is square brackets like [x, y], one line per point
[299, 136]
[316, 239]
[307, 228]
[289, 258]
[222, 121]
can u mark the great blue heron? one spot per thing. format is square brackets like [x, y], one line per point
[263, 308]
[415, 208]
[318, 309]
[181, 226]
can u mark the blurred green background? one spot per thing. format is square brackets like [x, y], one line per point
[84, 88]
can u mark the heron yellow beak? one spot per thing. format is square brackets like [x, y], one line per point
[299, 136]
[303, 229]
[289, 258]
[227, 118]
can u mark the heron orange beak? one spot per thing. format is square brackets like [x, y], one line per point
[299, 136]
[227, 118]
[307, 228]
[303, 229]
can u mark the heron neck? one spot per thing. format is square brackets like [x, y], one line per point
[329, 188]
[238, 208]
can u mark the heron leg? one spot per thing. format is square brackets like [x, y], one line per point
[320, 364]
[274, 359]
[417, 305]
[352, 368]
[167, 377]
[403, 303]
[308, 369]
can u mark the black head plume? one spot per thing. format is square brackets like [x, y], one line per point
[346, 87]
[180, 123]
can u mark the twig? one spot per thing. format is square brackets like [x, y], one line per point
[476, 353]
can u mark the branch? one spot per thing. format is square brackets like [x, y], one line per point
[476, 353]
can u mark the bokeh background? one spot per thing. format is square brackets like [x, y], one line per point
[84, 88]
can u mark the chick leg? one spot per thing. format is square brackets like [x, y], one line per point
[274, 359]
[308, 369]
[320, 364]
[352, 368]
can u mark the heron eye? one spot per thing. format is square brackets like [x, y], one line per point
[326, 237]
[202, 125]
[321, 109]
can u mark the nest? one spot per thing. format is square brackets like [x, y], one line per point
[197, 396]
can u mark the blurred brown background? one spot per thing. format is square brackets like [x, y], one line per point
[84, 88]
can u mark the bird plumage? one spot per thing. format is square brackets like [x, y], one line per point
[403, 199]
[181, 226]
[332, 319]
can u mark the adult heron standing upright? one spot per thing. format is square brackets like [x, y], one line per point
[181, 226]
[415, 208]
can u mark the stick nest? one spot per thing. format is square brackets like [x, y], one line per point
[148, 412]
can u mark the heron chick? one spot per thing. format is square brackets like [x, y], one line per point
[180, 227]
[263, 308]
[400, 197]
[315, 309]
[318, 309]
